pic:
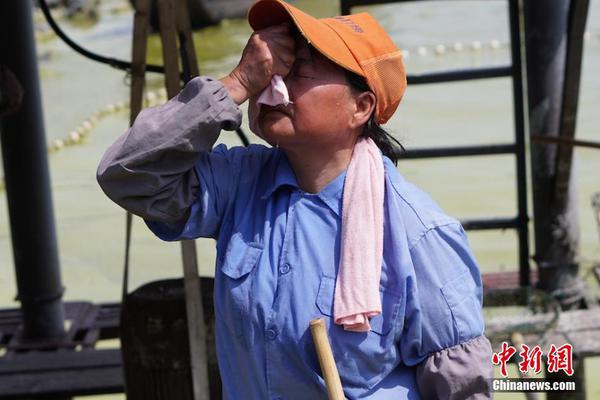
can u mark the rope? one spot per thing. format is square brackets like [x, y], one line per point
[474, 46]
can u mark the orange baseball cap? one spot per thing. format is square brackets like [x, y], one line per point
[355, 42]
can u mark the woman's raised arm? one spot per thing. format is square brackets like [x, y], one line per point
[149, 170]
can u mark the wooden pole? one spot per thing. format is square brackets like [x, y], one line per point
[171, 17]
[174, 21]
[517, 340]
[326, 360]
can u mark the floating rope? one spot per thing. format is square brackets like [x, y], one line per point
[474, 46]
[80, 133]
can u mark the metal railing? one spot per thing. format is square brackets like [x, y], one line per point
[519, 222]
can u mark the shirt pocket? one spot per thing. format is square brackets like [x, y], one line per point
[363, 359]
[233, 301]
[240, 257]
[462, 296]
[381, 324]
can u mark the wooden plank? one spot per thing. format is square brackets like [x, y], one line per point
[79, 382]
[89, 323]
[585, 343]
[581, 328]
[507, 279]
[17, 363]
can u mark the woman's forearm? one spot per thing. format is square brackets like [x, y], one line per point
[149, 170]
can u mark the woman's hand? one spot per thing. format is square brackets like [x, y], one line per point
[268, 52]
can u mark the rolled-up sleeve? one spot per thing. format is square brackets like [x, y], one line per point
[151, 170]
[460, 372]
[443, 330]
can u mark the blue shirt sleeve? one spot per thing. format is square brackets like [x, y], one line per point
[217, 173]
[444, 296]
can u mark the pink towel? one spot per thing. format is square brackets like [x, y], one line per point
[357, 286]
[274, 94]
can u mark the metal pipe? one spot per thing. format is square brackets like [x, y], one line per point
[458, 151]
[520, 159]
[28, 183]
[556, 222]
[554, 40]
[459, 75]
[490, 223]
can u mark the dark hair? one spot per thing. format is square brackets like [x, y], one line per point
[388, 144]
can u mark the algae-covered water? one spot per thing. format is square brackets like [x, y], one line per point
[91, 228]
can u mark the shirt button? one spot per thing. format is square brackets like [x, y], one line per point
[271, 334]
[284, 269]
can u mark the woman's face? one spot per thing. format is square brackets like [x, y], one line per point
[322, 104]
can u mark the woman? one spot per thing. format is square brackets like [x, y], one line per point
[281, 218]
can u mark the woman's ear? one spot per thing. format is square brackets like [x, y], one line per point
[364, 107]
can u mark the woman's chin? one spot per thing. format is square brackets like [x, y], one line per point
[274, 134]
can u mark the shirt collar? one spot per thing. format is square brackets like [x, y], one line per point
[283, 175]
[332, 193]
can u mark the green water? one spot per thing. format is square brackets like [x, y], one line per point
[91, 228]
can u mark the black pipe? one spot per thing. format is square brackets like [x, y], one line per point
[459, 75]
[490, 223]
[554, 41]
[520, 159]
[28, 182]
[556, 223]
[458, 151]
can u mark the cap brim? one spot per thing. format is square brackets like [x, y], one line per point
[323, 38]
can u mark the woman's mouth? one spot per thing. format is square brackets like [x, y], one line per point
[277, 109]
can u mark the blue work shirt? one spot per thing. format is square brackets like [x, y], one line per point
[278, 251]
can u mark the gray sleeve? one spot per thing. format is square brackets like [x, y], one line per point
[149, 170]
[460, 372]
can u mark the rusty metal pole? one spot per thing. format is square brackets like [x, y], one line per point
[555, 208]
[28, 183]
[554, 44]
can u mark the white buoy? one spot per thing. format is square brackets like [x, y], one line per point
[495, 44]
[476, 45]
[87, 125]
[440, 49]
[422, 51]
[58, 144]
[74, 137]
[458, 46]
